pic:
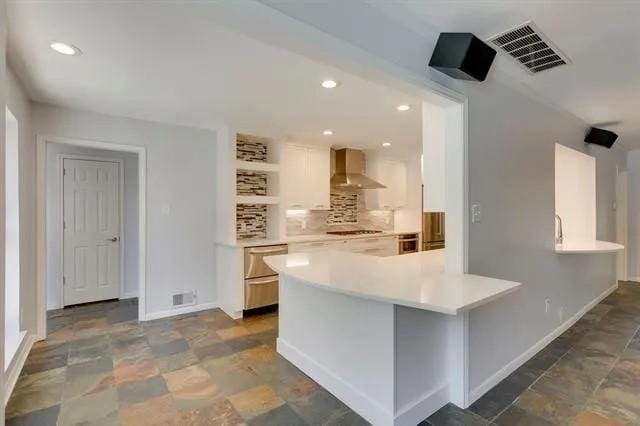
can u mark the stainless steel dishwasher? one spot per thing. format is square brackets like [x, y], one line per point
[260, 281]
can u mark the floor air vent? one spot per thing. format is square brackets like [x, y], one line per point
[183, 299]
[532, 49]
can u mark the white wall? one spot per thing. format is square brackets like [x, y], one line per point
[511, 138]
[180, 196]
[20, 106]
[12, 239]
[54, 234]
[575, 185]
[433, 155]
[633, 215]
[3, 99]
[409, 218]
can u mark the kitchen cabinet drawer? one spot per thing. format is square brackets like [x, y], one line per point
[259, 292]
[315, 246]
[376, 246]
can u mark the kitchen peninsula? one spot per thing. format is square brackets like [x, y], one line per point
[386, 335]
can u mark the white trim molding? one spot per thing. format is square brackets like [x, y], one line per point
[15, 368]
[41, 215]
[501, 374]
[180, 311]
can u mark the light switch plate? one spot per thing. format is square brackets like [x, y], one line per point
[476, 213]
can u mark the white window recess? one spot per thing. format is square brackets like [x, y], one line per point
[575, 196]
[12, 333]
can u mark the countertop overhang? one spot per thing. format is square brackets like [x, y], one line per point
[587, 246]
[313, 238]
[414, 280]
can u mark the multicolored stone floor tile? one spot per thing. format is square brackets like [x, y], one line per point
[99, 365]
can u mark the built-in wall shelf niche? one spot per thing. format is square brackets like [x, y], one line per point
[257, 170]
[257, 197]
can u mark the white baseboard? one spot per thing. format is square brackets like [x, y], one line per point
[233, 313]
[179, 311]
[15, 368]
[636, 279]
[371, 410]
[128, 296]
[501, 374]
[414, 413]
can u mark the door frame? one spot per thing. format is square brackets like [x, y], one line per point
[41, 228]
[120, 162]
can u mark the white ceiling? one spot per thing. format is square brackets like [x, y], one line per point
[167, 62]
[601, 38]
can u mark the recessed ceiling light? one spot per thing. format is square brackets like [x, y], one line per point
[328, 132]
[386, 144]
[403, 107]
[330, 84]
[65, 49]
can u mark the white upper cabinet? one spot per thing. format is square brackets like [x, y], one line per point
[319, 175]
[306, 177]
[393, 175]
[294, 168]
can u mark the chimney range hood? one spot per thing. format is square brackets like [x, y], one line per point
[349, 173]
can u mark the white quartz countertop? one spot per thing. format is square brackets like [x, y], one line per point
[415, 280]
[314, 238]
[587, 246]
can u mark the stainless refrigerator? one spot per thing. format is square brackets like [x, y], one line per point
[432, 230]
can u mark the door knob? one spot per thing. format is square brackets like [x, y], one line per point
[113, 240]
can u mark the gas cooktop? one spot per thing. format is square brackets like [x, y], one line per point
[354, 232]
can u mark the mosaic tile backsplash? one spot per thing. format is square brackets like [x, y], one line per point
[344, 208]
[251, 183]
[312, 222]
[250, 148]
[251, 221]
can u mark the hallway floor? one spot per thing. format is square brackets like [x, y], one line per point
[100, 366]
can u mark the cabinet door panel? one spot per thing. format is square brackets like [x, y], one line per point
[399, 185]
[294, 176]
[319, 178]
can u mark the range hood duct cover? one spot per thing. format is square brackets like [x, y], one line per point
[349, 172]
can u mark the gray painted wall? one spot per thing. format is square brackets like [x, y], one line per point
[3, 100]
[633, 215]
[511, 137]
[180, 175]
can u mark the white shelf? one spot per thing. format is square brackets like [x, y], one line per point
[257, 166]
[257, 199]
[586, 247]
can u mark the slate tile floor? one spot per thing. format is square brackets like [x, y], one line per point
[588, 376]
[100, 366]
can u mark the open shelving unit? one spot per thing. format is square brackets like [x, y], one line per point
[257, 189]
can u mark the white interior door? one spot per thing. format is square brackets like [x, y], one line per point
[621, 224]
[91, 229]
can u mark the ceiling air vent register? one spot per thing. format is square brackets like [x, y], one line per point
[530, 47]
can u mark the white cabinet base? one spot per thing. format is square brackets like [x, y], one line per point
[392, 365]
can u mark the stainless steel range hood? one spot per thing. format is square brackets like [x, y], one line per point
[349, 173]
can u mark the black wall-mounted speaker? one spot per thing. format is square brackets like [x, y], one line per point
[601, 137]
[462, 56]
